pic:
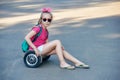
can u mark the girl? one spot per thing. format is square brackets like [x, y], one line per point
[42, 47]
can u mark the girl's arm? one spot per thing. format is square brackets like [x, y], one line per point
[47, 41]
[28, 39]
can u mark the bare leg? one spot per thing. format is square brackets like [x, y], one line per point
[55, 45]
[71, 58]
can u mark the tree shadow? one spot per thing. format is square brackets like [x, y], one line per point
[94, 40]
[17, 8]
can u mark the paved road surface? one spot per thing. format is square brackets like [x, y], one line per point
[93, 39]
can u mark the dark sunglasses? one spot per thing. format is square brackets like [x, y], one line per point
[49, 20]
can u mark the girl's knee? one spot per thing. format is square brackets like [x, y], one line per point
[57, 42]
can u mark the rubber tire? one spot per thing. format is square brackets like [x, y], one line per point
[37, 61]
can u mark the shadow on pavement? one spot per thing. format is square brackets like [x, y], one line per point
[95, 41]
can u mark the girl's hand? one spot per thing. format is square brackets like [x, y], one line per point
[37, 52]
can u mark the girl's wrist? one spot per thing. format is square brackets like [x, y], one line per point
[34, 48]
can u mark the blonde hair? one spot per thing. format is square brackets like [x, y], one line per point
[40, 19]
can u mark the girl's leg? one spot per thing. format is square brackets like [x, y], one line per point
[77, 63]
[71, 58]
[55, 45]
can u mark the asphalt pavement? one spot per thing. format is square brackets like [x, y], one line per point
[93, 40]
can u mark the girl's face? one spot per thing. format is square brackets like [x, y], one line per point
[46, 19]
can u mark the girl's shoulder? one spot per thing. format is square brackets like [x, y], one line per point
[36, 28]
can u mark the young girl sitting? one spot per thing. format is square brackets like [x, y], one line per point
[43, 47]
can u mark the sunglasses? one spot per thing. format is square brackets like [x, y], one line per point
[49, 20]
